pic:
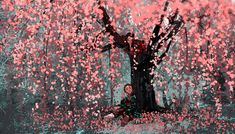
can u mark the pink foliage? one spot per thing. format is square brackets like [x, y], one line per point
[61, 36]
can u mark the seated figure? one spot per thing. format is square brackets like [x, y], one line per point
[127, 107]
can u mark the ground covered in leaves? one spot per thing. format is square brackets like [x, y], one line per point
[205, 120]
[201, 121]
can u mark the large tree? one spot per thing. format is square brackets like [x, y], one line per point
[59, 54]
[143, 55]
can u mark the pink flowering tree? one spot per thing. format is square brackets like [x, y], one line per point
[176, 50]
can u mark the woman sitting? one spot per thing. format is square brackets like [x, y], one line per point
[127, 108]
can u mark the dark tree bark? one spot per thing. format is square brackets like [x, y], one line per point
[141, 81]
[142, 57]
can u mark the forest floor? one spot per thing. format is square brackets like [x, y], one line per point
[202, 122]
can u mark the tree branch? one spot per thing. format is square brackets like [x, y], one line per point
[106, 48]
[106, 20]
[164, 54]
[155, 36]
[120, 41]
[175, 27]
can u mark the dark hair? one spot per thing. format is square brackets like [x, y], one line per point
[128, 84]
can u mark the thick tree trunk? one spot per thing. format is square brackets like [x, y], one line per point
[141, 81]
[141, 78]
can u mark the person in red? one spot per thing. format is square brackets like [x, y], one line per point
[127, 107]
